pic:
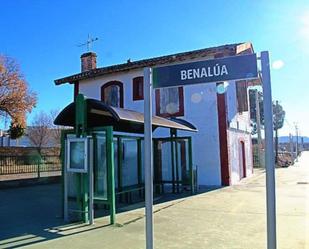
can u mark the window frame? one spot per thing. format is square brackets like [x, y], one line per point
[113, 83]
[242, 96]
[135, 87]
[181, 111]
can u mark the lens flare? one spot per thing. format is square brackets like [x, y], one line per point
[278, 64]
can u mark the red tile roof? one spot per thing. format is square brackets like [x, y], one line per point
[225, 50]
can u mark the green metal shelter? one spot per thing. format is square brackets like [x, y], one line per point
[108, 168]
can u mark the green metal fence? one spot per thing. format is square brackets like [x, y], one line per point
[29, 164]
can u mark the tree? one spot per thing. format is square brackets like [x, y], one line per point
[252, 102]
[15, 97]
[16, 131]
[55, 129]
[39, 132]
[278, 117]
[42, 132]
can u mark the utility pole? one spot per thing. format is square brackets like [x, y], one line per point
[302, 143]
[276, 131]
[296, 146]
[291, 146]
[258, 127]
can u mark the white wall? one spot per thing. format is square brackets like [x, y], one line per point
[200, 103]
[201, 110]
[234, 138]
[92, 88]
[239, 130]
[239, 121]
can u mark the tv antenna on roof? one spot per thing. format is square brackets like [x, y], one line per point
[88, 42]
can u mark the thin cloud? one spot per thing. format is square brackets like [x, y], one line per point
[304, 26]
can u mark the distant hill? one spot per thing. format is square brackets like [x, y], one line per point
[286, 139]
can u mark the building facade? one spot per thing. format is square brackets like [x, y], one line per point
[222, 149]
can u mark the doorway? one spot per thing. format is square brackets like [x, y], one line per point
[242, 161]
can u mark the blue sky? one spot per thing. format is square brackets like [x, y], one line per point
[43, 36]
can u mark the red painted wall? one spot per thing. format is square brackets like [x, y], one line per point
[224, 153]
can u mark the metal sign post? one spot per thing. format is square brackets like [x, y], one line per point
[242, 67]
[269, 153]
[65, 186]
[90, 175]
[148, 157]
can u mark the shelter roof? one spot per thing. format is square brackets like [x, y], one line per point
[124, 120]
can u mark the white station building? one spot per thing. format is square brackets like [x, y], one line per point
[222, 148]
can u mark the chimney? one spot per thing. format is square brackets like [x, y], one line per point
[88, 61]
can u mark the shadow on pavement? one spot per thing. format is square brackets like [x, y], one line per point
[168, 196]
[27, 213]
[31, 215]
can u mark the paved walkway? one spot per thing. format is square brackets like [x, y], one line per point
[232, 217]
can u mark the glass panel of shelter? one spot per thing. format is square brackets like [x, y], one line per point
[103, 169]
[171, 166]
[72, 188]
[115, 143]
[172, 170]
[100, 166]
[128, 172]
[129, 162]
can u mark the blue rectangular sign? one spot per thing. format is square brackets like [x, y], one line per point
[213, 70]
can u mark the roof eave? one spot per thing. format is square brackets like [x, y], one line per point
[237, 49]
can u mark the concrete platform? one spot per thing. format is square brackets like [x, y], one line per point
[232, 217]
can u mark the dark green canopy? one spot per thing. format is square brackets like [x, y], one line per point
[101, 114]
